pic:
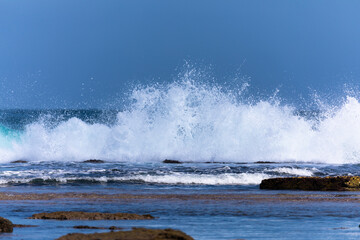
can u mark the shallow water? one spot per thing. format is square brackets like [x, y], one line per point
[224, 210]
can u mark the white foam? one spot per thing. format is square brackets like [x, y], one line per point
[295, 171]
[194, 122]
[171, 178]
[206, 179]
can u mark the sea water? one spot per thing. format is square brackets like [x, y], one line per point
[227, 145]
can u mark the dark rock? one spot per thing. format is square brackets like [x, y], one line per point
[216, 162]
[5, 225]
[23, 226]
[93, 161]
[339, 183]
[171, 161]
[63, 215]
[264, 162]
[134, 234]
[112, 228]
[19, 161]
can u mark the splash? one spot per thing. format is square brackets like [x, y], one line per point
[196, 122]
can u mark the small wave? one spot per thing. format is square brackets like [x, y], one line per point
[205, 179]
[294, 171]
[173, 178]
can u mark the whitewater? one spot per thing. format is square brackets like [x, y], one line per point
[192, 122]
[225, 141]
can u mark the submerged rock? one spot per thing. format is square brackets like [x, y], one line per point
[112, 228]
[88, 227]
[93, 161]
[171, 161]
[6, 225]
[339, 183]
[69, 215]
[134, 234]
[23, 226]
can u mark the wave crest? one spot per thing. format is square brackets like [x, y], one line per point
[195, 122]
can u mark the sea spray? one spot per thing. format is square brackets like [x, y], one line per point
[191, 121]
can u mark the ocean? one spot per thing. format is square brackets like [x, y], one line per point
[226, 145]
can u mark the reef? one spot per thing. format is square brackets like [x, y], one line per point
[134, 234]
[338, 183]
[70, 215]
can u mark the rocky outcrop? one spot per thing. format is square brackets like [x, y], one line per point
[135, 234]
[339, 183]
[5, 225]
[93, 161]
[264, 162]
[19, 161]
[172, 161]
[63, 215]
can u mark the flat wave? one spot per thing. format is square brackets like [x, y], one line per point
[194, 122]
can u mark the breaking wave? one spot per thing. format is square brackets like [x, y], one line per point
[194, 122]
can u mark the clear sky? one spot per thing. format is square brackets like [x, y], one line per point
[84, 53]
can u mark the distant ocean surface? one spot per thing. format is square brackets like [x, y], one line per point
[227, 145]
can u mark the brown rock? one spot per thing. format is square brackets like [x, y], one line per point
[339, 183]
[135, 234]
[5, 225]
[90, 216]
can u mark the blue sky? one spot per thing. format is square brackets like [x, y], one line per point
[84, 53]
